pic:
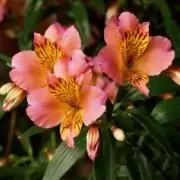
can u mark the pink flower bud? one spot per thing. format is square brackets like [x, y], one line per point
[174, 74]
[92, 145]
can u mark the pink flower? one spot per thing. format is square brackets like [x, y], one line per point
[30, 68]
[99, 80]
[92, 142]
[69, 100]
[131, 54]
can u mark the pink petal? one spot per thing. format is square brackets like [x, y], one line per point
[43, 109]
[111, 33]
[70, 41]
[61, 68]
[92, 111]
[157, 57]
[127, 22]
[78, 64]
[110, 61]
[26, 71]
[92, 93]
[111, 91]
[92, 100]
[54, 32]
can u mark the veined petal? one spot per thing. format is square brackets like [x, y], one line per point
[44, 110]
[138, 79]
[66, 91]
[157, 57]
[70, 41]
[71, 126]
[27, 72]
[110, 61]
[47, 52]
[54, 32]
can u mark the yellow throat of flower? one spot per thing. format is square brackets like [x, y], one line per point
[47, 53]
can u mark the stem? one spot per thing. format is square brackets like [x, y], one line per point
[11, 132]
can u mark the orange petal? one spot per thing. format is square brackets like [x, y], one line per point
[138, 79]
[71, 126]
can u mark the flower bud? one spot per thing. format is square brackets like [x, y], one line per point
[118, 133]
[174, 74]
[92, 139]
[6, 88]
[14, 97]
[113, 10]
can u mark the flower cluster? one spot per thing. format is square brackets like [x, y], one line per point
[66, 87]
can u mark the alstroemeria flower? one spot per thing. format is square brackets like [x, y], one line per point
[69, 100]
[30, 68]
[99, 80]
[131, 54]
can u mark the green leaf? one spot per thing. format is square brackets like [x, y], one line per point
[12, 171]
[167, 110]
[33, 12]
[104, 166]
[161, 84]
[80, 15]
[64, 158]
[155, 130]
[1, 103]
[99, 5]
[143, 166]
[170, 24]
[5, 59]
[32, 131]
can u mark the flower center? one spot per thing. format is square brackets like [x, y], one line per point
[134, 44]
[134, 77]
[67, 91]
[47, 53]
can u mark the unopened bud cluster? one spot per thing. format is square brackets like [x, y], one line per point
[14, 96]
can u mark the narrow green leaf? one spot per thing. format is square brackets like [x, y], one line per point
[167, 110]
[5, 59]
[104, 166]
[64, 158]
[132, 168]
[155, 130]
[80, 15]
[143, 166]
[32, 15]
[32, 131]
[170, 24]
[1, 103]
[161, 84]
